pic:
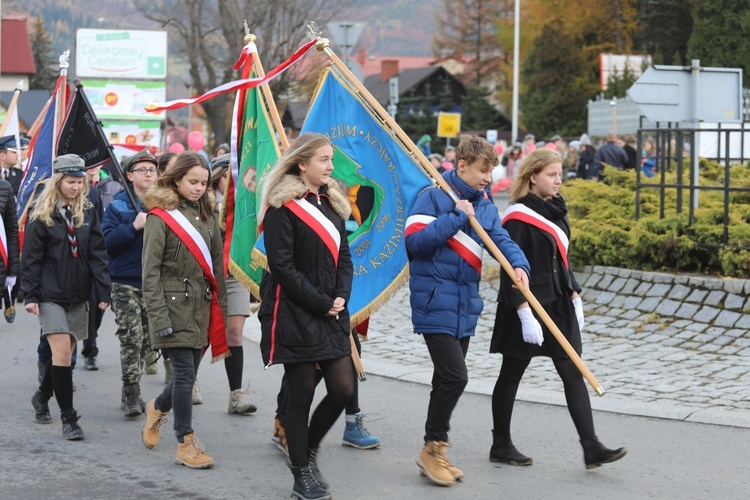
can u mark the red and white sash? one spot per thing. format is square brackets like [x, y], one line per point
[461, 243]
[3, 245]
[522, 213]
[194, 242]
[318, 222]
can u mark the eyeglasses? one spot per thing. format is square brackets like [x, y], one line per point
[150, 171]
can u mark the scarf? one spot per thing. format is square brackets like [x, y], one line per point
[72, 240]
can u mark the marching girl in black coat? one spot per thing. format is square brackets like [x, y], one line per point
[303, 313]
[537, 222]
[64, 256]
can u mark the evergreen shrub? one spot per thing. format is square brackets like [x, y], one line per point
[605, 232]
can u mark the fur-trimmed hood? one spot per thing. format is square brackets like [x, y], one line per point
[167, 199]
[291, 187]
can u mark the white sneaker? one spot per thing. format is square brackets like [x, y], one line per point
[197, 398]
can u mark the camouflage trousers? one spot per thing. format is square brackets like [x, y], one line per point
[132, 330]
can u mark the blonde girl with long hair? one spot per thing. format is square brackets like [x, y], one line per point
[303, 313]
[537, 221]
[64, 256]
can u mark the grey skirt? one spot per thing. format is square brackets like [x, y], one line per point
[72, 319]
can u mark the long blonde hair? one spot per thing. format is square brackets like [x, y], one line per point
[533, 163]
[301, 150]
[46, 204]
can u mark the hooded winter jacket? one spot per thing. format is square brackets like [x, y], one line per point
[304, 280]
[175, 291]
[445, 285]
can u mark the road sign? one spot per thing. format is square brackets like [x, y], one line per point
[346, 34]
[449, 124]
[685, 93]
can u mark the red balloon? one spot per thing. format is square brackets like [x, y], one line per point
[195, 140]
[176, 148]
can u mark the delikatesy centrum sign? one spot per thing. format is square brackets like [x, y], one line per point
[121, 54]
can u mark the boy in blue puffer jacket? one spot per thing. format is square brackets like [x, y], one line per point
[445, 261]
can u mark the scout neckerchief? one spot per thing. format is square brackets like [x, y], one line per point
[197, 246]
[319, 223]
[461, 243]
[67, 215]
[522, 213]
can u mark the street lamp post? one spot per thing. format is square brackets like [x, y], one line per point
[516, 51]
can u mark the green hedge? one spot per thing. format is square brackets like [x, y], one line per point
[605, 232]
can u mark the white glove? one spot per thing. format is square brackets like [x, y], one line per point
[530, 327]
[578, 305]
[10, 282]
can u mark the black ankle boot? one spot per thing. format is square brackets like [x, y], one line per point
[71, 430]
[132, 393]
[596, 454]
[312, 460]
[306, 487]
[503, 451]
[40, 402]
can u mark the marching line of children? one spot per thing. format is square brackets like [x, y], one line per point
[169, 292]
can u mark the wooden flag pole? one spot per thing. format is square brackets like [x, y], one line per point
[267, 96]
[11, 107]
[324, 46]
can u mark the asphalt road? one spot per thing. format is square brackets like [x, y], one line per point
[666, 459]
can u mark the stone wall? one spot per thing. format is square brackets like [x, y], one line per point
[716, 310]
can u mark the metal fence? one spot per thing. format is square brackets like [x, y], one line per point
[673, 144]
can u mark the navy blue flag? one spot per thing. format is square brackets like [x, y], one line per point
[39, 163]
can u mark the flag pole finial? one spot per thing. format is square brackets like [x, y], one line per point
[249, 37]
[64, 60]
[313, 31]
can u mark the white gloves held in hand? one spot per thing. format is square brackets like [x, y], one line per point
[10, 282]
[578, 305]
[530, 327]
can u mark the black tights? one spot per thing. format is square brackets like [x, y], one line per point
[576, 395]
[301, 378]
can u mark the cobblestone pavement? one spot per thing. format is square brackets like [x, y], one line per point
[647, 366]
[681, 361]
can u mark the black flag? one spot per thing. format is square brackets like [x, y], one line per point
[82, 134]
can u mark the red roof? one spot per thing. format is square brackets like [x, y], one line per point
[372, 64]
[16, 57]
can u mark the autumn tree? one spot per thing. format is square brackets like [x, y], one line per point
[207, 35]
[44, 60]
[466, 28]
[558, 88]
[664, 30]
[592, 26]
[719, 35]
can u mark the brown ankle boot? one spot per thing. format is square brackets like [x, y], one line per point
[190, 454]
[433, 464]
[457, 473]
[152, 429]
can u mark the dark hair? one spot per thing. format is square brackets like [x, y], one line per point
[184, 162]
[162, 161]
